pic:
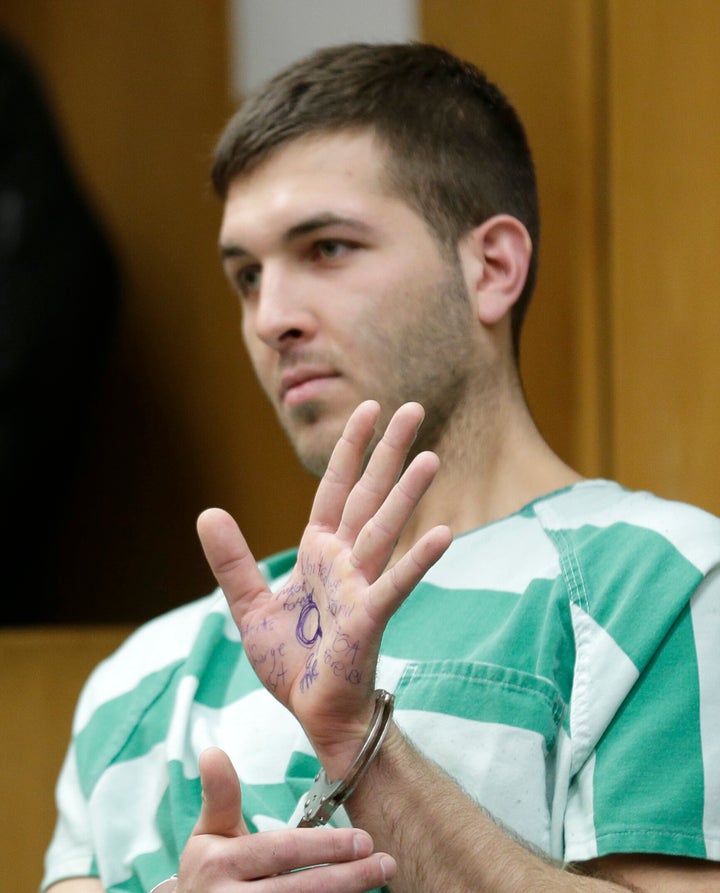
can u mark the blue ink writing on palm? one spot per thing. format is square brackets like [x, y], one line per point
[272, 658]
[308, 629]
[340, 657]
[311, 672]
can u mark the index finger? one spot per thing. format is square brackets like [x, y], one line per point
[344, 466]
[382, 471]
[272, 853]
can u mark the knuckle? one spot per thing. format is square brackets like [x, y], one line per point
[340, 845]
[205, 859]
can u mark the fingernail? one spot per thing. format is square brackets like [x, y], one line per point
[388, 866]
[362, 845]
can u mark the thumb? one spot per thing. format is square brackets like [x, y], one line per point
[220, 813]
[230, 560]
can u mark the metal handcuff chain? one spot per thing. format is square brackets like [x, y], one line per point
[325, 796]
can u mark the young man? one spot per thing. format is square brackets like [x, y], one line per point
[549, 641]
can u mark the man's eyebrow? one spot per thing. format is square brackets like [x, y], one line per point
[320, 221]
[311, 225]
[228, 252]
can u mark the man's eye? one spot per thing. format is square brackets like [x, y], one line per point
[330, 249]
[248, 279]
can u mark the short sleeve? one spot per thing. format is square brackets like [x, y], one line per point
[70, 853]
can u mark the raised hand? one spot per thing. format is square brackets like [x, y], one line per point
[314, 644]
[222, 855]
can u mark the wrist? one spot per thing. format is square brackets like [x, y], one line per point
[340, 743]
[326, 793]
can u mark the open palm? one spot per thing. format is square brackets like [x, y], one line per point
[314, 643]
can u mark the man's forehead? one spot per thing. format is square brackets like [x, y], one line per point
[311, 182]
[358, 150]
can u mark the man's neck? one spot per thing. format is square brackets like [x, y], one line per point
[488, 471]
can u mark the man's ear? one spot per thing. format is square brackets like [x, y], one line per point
[496, 258]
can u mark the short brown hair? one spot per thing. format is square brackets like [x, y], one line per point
[457, 150]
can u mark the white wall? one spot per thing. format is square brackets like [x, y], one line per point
[269, 34]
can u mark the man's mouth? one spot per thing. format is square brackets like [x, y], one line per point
[300, 384]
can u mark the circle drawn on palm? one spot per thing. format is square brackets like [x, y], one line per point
[308, 629]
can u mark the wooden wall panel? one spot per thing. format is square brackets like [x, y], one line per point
[549, 58]
[42, 672]
[665, 134]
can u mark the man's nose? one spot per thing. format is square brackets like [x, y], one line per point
[283, 314]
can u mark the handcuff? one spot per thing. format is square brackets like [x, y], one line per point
[325, 796]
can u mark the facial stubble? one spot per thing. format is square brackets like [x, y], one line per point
[427, 353]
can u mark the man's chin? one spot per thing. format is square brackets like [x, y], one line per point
[314, 453]
[314, 445]
[313, 434]
[314, 464]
